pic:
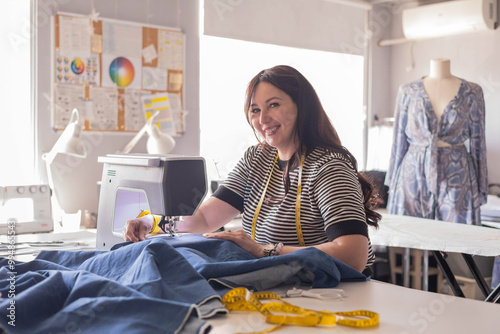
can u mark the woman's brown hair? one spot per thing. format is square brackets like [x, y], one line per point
[313, 127]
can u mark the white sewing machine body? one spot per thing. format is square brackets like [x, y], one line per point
[168, 185]
[39, 194]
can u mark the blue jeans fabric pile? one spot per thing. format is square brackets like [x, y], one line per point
[161, 285]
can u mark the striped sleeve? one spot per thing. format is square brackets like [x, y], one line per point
[230, 197]
[338, 194]
[339, 197]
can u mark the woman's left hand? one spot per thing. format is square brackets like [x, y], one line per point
[240, 238]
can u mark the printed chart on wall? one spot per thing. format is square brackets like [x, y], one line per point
[117, 74]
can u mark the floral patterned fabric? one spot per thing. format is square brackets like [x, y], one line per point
[445, 183]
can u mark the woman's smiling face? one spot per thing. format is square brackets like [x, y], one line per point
[273, 114]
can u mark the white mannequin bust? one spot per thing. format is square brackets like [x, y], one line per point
[440, 85]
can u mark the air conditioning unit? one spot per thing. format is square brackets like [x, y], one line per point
[449, 18]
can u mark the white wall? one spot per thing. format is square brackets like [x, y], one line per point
[474, 57]
[172, 13]
[379, 59]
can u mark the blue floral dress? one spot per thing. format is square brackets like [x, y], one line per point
[444, 183]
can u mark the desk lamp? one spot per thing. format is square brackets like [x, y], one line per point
[158, 142]
[69, 142]
[64, 163]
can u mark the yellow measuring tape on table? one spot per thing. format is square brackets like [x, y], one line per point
[279, 312]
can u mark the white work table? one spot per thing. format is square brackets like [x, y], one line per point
[440, 237]
[28, 246]
[401, 310]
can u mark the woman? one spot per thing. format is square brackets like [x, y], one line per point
[298, 187]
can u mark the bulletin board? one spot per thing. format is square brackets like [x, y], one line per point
[112, 71]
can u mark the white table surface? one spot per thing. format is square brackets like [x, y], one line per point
[401, 310]
[29, 245]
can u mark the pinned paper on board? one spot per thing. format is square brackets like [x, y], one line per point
[67, 98]
[170, 118]
[154, 78]
[149, 53]
[104, 108]
[171, 50]
[134, 115]
[178, 114]
[175, 81]
[74, 34]
[161, 103]
[122, 39]
[77, 69]
[121, 72]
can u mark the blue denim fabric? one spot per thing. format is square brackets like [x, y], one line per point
[218, 259]
[161, 285]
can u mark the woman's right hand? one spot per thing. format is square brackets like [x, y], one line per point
[136, 229]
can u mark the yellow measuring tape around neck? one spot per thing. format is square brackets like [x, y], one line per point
[279, 312]
[298, 226]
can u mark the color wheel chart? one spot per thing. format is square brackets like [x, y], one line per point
[77, 66]
[103, 67]
[121, 71]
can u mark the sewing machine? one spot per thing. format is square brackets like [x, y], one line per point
[39, 195]
[167, 185]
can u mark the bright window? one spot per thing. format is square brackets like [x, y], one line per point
[227, 66]
[16, 134]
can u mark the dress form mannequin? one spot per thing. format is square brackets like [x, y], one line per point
[440, 86]
[438, 164]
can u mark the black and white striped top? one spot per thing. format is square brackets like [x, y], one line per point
[331, 200]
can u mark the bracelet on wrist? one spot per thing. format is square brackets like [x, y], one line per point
[272, 249]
